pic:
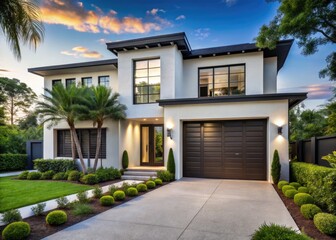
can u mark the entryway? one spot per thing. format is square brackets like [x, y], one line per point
[151, 145]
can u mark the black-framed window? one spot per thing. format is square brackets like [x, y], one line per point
[87, 139]
[147, 79]
[221, 80]
[70, 81]
[104, 81]
[87, 81]
[56, 81]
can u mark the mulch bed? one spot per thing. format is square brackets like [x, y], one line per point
[39, 228]
[305, 225]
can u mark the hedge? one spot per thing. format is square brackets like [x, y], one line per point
[320, 181]
[12, 162]
[57, 165]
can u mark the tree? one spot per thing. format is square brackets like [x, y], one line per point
[276, 167]
[312, 22]
[64, 104]
[21, 23]
[171, 162]
[29, 121]
[18, 97]
[102, 104]
[330, 112]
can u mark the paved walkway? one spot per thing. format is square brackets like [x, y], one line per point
[188, 209]
[7, 174]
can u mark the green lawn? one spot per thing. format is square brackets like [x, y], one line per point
[20, 193]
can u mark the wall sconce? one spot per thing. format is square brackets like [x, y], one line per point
[280, 130]
[169, 133]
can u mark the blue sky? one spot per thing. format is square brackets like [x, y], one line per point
[76, 31]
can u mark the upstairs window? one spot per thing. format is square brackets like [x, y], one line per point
[104, 81]
[87, 81]
[70, 81]
[221, 81]
[147, 80]
[56, 81]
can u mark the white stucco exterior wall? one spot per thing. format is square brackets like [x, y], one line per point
[270, 75]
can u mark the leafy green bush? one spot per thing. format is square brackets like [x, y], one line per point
[132, 191]
[291, 193]
[16, 231]
[38, 209]
[34, 176]
[124, 160]
[276, 232]
[295, 184]
[74, 175]
[276, 167]
[81, 209]
[119, 195]
[57, 165]
[286, 187]
[320, 181]
[90, 179]
[82, 197]
[158, 181]
[150, 184]
[303, 198]
[97, 192]
[63, 203]
[57, 217]
[10, 216]
[309, 210]
[303, 190]
[23, 175]
[141, 187]
[165, 176]
[106, 200]
[171, 163]
[125, 186]
[48, 175]
[59, 176]
[331, 158]
[282, 183]
[12, 162]
[107, 174]
[112, 189]
[326, 223]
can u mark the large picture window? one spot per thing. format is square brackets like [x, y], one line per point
[222, 81]
[147, 80]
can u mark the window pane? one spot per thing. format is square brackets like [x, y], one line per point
[141, 81]
[69, 82]
[237, 81]
[158, 140]
[141, 99]
[153, 98]
[155, 63]
[141, 73]
[222, 70]
[154, 80]
[154, 89]
[206, 79]
[87, 81]
[206, 72]
[141, 90]
[141, 64]
[154, 72]
[104, 81]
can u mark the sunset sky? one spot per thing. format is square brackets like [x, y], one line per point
[76, 31]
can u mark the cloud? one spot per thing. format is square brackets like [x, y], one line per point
[315, 91]
[181, 17]
[103, 40]
[80, 51]
[75, 16]
[202, 33]
[229, 3]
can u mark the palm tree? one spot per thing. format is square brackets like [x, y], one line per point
[64, 103]
[21, 23]
[103, 104]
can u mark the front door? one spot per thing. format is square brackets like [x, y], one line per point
[151, 145]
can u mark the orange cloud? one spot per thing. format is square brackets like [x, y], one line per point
[80, 51]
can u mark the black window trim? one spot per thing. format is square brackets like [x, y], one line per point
[86, 78]
[69, 79]
[102, 77]
[213, 80]
[56, 81]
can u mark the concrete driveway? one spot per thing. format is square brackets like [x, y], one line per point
[188, 209]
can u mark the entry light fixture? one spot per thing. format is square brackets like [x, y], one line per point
[169, 133]
[280, 130]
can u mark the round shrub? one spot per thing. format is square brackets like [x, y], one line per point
[16, 231]
[303, 190]
[291, 193]
[57, 217]
[23, 175]
[90, 179]
[282, 183]
[119, 195]
[59, 176]
[132, 191]
[34, 176]
[158, 181]
[303, 198]
[74, 175]
[106, 200]
[48, 175]
[142, 187]
[310, 210]
[295, 184]
[150, 184]
[287, 187]
[326, 223]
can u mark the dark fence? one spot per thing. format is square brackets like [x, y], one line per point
[34, 150]
[312, 150]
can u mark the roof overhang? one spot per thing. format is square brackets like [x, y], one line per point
[94, 66]
[293, 99]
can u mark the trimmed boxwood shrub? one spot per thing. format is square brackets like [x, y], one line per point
[12, 162]
[303, 190]
[165, 176]
[74, 175]
[158, 181]
[57, 165]
[48, 175]
[309, 210]
[57, 217]
[106, 200]
[34, 176]
[295, 184]
[124, 160]
[150, 184]
[119, 195]
[23, 175]
[90, 179]
[16, 231]
[273, 231]
[276, 167]
[291, 193]
[132, 191]
[171, 162]
[59, 176]
[286, 187]
[141, 187]
[282, 183]
[303, 198]
[107, 174]
[326, 223]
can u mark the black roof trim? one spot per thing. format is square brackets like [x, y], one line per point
[293, 99]
[180, 39]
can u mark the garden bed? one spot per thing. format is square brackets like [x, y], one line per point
[305, 225]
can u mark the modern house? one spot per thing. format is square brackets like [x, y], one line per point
[217, 108]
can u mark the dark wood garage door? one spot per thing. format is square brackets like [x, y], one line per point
[225, 149]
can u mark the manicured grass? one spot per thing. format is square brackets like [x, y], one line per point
[19, 193]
